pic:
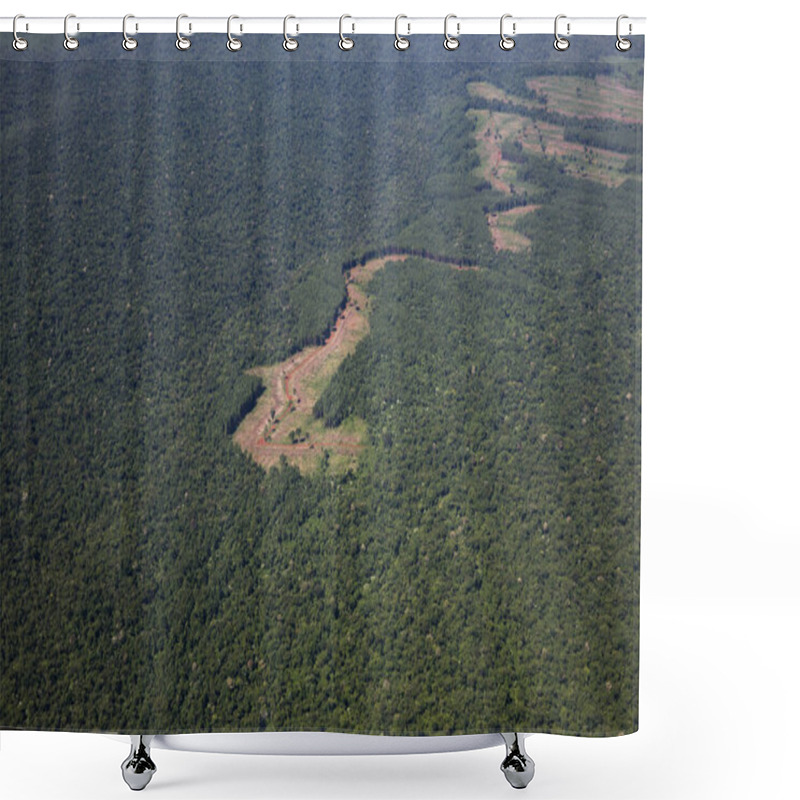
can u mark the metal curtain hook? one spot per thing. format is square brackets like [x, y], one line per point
[622, 44]
[400, 42]
[451, 42]
[128, 42]
[70, 42]
[233, 44]
[181, 42]
[19, 43]
[560, 42]
[506, 42]
[289, 43]
[345, 43]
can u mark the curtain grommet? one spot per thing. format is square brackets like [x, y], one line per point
[290, 44]
[451, 42]
[507, 42]
[561, 43]
[401, 43]
[345, 42]
[622, 44]
[70, 42]
[233, 44]
[128, 42]
[19, 44]
[181, 41]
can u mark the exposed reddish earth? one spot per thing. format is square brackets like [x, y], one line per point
[282, 423]
[504, 237]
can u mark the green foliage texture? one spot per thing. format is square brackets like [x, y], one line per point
[164, 227]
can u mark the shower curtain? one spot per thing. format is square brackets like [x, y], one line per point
[320, 386]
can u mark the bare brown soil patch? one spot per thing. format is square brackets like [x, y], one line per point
[606, 96]
[489, 140]
[605, 166]
[547, 139]
[490, 92]
[282, 422]
[504, 237]
[518, 211]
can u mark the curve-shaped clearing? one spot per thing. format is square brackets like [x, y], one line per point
[282, 422]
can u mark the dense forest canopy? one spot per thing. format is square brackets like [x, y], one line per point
[166, 227]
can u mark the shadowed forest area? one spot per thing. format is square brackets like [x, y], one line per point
[475, 566]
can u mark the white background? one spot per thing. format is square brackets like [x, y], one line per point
[720, 544]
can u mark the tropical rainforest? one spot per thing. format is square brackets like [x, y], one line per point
[168, 225]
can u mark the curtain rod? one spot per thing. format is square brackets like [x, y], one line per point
[407, 26]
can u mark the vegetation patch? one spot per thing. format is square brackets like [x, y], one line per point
[489, 92]
[489, 132]
[501, 224]
[597, 149]
[282, 423]
[604, 96]
[495, 500]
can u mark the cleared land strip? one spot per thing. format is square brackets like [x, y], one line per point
[501, 226]
[541, 125]
[282, 422]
